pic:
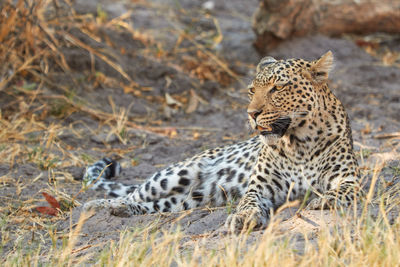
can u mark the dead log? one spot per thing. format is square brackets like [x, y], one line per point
[278, 20]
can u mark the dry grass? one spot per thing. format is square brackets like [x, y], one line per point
[33, 34]
[33, 37]
[356, 240]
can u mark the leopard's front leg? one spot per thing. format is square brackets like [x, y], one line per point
[267, 191]
[339, 182]
[347, 193]
[253, 211]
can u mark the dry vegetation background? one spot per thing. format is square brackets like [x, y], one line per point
[151, 83]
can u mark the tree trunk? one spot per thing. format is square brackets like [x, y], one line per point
[278, 20]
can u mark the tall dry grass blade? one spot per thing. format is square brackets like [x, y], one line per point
[377, 169]
[8, 25]
[114, 65]
[66, 254]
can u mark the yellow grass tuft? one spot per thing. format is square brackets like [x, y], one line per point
[368, 240]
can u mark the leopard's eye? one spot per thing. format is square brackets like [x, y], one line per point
[278, 88]
[252, 90]
[273, 90]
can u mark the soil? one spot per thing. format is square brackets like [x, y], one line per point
[368, 89]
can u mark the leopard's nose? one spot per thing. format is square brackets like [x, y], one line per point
[254, 114]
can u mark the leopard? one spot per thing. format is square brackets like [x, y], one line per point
[302, 146]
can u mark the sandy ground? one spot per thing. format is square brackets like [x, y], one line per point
[368, 89]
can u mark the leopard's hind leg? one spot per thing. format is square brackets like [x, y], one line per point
[126, 206]
[178, 187]
[212, 177]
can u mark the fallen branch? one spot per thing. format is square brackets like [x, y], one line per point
[387, 135]
[275, 21]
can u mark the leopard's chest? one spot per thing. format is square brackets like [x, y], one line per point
[292, 173]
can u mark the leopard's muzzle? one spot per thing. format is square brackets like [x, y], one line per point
[278, 127]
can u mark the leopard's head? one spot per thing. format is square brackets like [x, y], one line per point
[285, 94]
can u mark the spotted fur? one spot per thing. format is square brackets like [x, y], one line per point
[304, 144]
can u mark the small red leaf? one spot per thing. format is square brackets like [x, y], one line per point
[52, 201]
[47, 210]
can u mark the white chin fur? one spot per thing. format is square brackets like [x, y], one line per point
[270, 139]
[252, 124]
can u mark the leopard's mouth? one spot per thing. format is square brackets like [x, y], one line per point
[278, 127]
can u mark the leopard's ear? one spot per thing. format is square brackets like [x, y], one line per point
[264, 62]
[321, 67]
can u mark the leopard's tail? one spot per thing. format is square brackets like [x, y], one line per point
[98, 175]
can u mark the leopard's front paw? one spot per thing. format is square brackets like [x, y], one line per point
[320, 203]
[245, 220]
